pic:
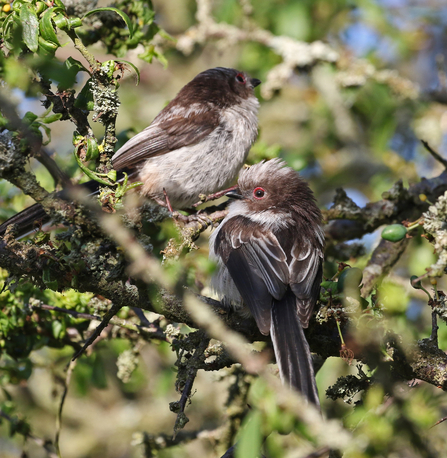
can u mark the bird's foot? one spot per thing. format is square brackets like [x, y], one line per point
[216, 195]
[200, 217]
[184, 220]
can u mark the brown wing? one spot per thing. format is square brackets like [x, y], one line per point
[305, 271]
[168, 132]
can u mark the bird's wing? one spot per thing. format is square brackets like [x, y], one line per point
[305, 272]
[170, 130]
[257, 264]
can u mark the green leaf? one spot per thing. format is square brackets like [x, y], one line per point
[150, 53]
[51, 118]
[46, 48]
[46, 26]
[59, 4]
[30, 24]
[120, 13]
[74, 22]
[61, 21]
[75, 66]
[84, 100]
[57, 328]
[250, 440]
[29, 118]
[92, 149]
[92, 175]
[48, 133]
[134, 67]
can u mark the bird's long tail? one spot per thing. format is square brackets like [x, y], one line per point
[291, 348]
[29, 219]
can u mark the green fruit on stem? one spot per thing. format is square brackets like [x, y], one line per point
[394, 232]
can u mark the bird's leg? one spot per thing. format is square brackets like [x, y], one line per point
[176, 216]
[168, 203]
[216, 195]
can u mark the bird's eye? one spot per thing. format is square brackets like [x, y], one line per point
[258, 193]
[240, 78]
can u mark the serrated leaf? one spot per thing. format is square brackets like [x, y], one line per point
[134, 68]
[46, 26]
[120, 13]
[30, 24]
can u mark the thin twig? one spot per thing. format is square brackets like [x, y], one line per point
[438, 422]
[59, 176]
[434, 328]
[70, 368]
[436, 155]
[105, 321]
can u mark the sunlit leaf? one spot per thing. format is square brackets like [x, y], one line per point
[30, 25]
[46, 25]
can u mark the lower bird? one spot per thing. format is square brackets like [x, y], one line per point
[269, 252]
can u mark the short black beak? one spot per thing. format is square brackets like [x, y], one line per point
[255, 82]
[234, 194]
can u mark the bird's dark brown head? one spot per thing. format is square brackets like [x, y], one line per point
[221, 86]
[271, 185]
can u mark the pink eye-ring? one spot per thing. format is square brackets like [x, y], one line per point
[258, 193]
[240, 78]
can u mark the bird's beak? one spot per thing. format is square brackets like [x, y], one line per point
[234, 194]
[255, 82]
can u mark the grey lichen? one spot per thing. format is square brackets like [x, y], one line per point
[435, 223]
[127, 362]
[440, 306]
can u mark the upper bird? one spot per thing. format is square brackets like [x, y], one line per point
[196, 145]
[269, 251]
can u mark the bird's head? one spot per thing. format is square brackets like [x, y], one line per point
[221, 86]
[271, 185]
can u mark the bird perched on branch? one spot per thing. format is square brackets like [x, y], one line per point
[269, 251]
[196, 145]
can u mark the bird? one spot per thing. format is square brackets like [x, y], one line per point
[269, 255]
[195, 146]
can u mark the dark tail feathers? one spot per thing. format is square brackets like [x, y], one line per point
[29, 219]
[291, 348]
